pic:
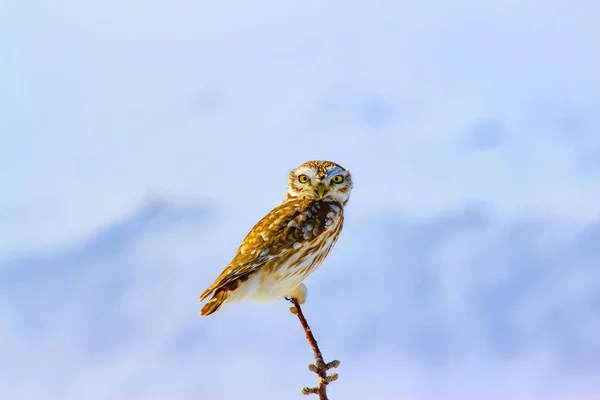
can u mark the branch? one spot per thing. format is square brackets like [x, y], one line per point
[319, 367]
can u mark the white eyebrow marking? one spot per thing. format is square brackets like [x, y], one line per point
[306, 171]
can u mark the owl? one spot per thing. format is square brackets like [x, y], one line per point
[289, 243]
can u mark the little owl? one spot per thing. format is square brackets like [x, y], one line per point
[289, 243]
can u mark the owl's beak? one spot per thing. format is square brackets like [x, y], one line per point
[321, 190]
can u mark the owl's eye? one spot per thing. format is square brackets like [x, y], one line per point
[337, 179]
[303, 178]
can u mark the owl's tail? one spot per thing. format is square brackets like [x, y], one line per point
[215, 302]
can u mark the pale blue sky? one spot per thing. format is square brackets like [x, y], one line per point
[140, 142]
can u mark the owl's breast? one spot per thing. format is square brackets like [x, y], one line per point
[310, 235]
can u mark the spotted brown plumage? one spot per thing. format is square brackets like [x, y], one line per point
[289, 243]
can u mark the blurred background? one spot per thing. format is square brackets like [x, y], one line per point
[140, 141]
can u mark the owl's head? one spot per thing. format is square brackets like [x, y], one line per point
[322, 180]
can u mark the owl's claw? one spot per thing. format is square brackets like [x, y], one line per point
[299, 293]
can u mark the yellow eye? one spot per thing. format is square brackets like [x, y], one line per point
[303, 178]
[337, 179]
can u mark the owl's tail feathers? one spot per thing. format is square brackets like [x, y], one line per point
[214, 303]
[206, 293]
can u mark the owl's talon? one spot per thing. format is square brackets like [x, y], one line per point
[299, 294]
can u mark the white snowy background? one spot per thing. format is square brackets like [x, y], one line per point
[140, 141]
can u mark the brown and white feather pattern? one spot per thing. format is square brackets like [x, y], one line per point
[280, 251]
[290, 242]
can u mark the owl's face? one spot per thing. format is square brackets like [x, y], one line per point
[322, 180]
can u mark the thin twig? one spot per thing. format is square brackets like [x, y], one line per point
[319, 367]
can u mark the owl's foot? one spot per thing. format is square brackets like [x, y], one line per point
[299, 294]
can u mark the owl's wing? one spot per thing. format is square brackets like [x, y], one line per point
[273, 237]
